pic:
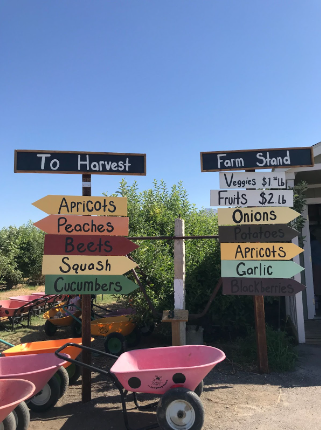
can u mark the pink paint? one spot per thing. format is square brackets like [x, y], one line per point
[13, 392]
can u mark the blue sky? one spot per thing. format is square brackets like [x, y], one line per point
[169, 78]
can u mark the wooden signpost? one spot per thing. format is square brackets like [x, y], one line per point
[252, 180]
[77, 205]
[73, 224]
[259, 269]
[257, 233]
[58, 244]
[98, 163]
[261, 287]
[259, 251]
[86, 265]
[251, 198]
[247, 268]
[216, 161]
[266, 215]
[76, 262]
[89, 284]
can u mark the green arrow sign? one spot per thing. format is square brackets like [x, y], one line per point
[88, 284]
[259, 269]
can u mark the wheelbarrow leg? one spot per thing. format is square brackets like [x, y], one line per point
[141, 407]
[123, 395]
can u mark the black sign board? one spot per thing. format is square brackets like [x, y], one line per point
[256, 233]
[101, 163]
[261, 287]
[256, 159]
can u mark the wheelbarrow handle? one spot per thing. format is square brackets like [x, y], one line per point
[80, 363]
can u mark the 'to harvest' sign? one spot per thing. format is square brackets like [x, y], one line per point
[103, 163]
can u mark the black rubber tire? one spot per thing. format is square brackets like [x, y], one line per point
[50, 329]
[133, 338]
[74, 372]
[22, 416]
[191, 400]
[9, 423]
[76, 328]
[147, 329]
[114, 344]
[63, 379]
[199, 389]
[54, 386]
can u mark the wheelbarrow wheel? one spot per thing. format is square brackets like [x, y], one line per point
[199, 389]
[74, 372]
[147, 329]
[76, 328]
[22, 416]
[180, 408]
[9, 423]
[50, 329]
[114, 343]
[133, 338]
[47, 397]
[63, 378]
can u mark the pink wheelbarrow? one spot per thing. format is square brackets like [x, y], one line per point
[40, 369]
[175, 372]
[13, 392]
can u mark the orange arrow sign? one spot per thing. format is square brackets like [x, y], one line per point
[73, 224]
[259, 251]
[80, 205]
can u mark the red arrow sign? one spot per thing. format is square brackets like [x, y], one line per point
[59, 244]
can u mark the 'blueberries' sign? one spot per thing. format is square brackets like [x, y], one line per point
[256, 159]
[103, 163]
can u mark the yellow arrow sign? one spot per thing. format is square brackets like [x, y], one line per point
[260, 215]
[78, 205]
[85, 265]
[259, 251]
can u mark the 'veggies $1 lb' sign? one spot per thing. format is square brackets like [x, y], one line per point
[103, 163]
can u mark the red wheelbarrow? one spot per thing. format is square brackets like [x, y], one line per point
[176, 372]
[40, 370]
[12, 394]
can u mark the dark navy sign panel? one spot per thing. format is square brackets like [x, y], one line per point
[256, 159]
[101, 163]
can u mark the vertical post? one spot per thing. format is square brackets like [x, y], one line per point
[179, 328]
[86, 317]
[259, 317]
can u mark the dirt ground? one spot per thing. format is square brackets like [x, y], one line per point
[233, 400]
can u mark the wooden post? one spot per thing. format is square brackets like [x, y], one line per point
[86, 317]
[259, 317]
[179, 328]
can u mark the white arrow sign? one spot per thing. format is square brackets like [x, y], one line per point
[252, 180]
[258, 198]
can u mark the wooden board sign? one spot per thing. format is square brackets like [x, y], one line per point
[259, 269]
[88, 284]
[58, 244]
[259, 251]
[257, 233]
[85, 265]
[252, 180]
[80, 205]
[266, 215]
[93, 225]
[261, 287]
[256, 159]
[101, 163]
[251, 198]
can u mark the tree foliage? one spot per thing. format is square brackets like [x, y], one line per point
[21, 252]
